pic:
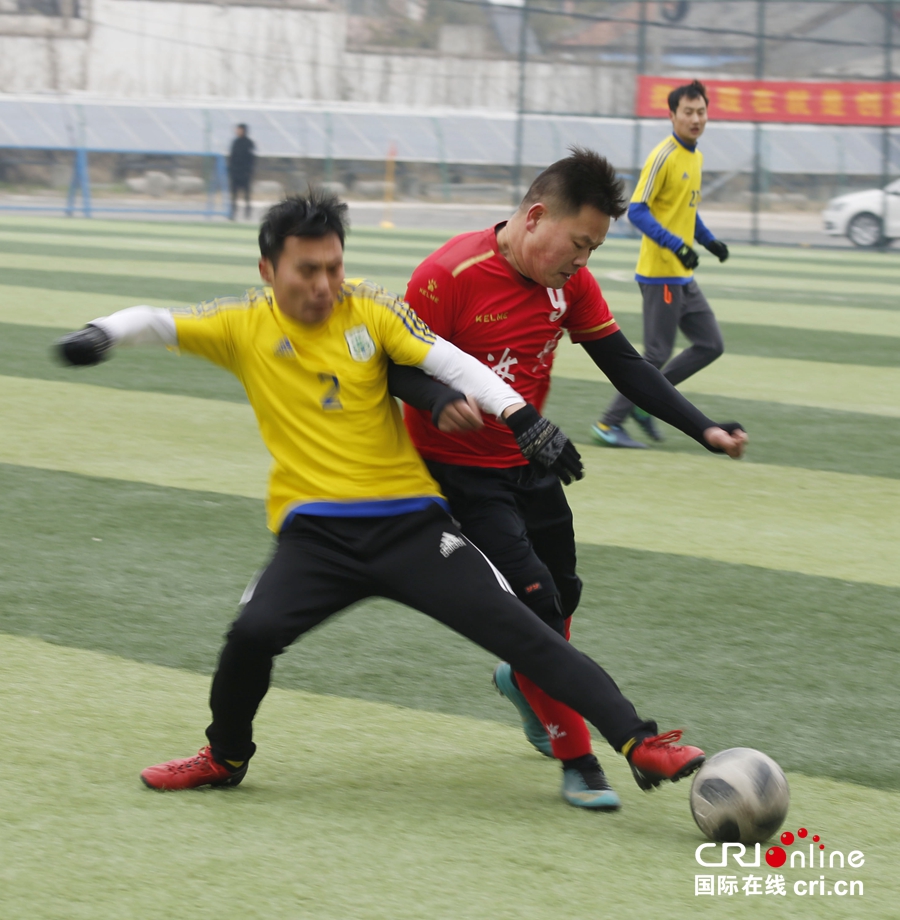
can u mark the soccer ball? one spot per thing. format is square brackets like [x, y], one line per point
[740, 796]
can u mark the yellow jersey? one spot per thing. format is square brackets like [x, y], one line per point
[670, 187]
[320, 397]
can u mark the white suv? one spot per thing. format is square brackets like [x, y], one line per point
[860, 215]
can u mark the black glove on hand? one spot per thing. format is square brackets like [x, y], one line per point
[543, 444]
[87, 346]
[687, 257]
[718, 249]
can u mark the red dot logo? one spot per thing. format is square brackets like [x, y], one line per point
[802, 832]
[776, 857]
[787, 838]
[816, 838]
[821, 846]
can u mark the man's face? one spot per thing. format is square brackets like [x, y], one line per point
[307, 278]
[555, 247]
[689, 119]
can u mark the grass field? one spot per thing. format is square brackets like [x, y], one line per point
[752, 603]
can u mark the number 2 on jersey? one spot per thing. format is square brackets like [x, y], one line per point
[331, 400]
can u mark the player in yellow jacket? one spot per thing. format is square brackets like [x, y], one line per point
[355, 511]
[664, 207]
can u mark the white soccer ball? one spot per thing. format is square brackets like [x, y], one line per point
[740, 796]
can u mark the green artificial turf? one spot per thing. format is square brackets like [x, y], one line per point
[404, 787]
[132, 288]
[817, 439]
[831, 293]
[174, 254]
[783, 342]
[26, 351]
[782, 433]
[817, 522]
[155, 574]
[848, 387]
[351, 810]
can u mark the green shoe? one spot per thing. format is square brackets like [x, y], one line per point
[535, 732]
[585, 785]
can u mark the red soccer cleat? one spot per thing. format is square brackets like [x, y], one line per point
[659, 758]
[200, 770]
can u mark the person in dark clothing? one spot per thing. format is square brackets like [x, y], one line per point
[241, 161]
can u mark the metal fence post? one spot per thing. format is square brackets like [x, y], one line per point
[640, 69]
[885, 130]
[222, 180]
[81, 180]
[757, 126]
[84, 175]
[73, 186]
[209, 164]
[520, 107]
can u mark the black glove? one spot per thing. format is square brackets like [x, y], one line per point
[718, 249]
[87, 346]
[544, 445]
[687, 257]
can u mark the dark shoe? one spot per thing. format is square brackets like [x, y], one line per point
[585, 785]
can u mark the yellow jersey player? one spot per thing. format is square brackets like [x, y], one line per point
[664, 208]
[353, 507]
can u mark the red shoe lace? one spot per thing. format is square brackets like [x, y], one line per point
[666, 738]
[180, 766]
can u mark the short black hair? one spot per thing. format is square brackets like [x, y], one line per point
[693, 90]
[582, 178]
[315, 215]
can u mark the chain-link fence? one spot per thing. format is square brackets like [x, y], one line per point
[804, 101]
[464, 101]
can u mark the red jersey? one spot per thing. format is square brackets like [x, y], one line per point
[470, 295]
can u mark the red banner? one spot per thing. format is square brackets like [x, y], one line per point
[792, 101]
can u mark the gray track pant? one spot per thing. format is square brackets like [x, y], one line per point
[668, 308]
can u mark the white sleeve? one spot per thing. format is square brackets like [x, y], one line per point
[141, 325]
[461, 371]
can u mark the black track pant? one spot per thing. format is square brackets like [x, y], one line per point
[322, 565]
[668, 308]
[240, 184]
[520, 519]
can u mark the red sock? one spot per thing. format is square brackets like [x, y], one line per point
[569, 735]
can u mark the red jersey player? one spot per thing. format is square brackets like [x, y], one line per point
[507, 295]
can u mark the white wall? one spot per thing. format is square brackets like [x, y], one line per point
[141, 49]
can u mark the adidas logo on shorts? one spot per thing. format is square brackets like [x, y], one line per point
[449, 543]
